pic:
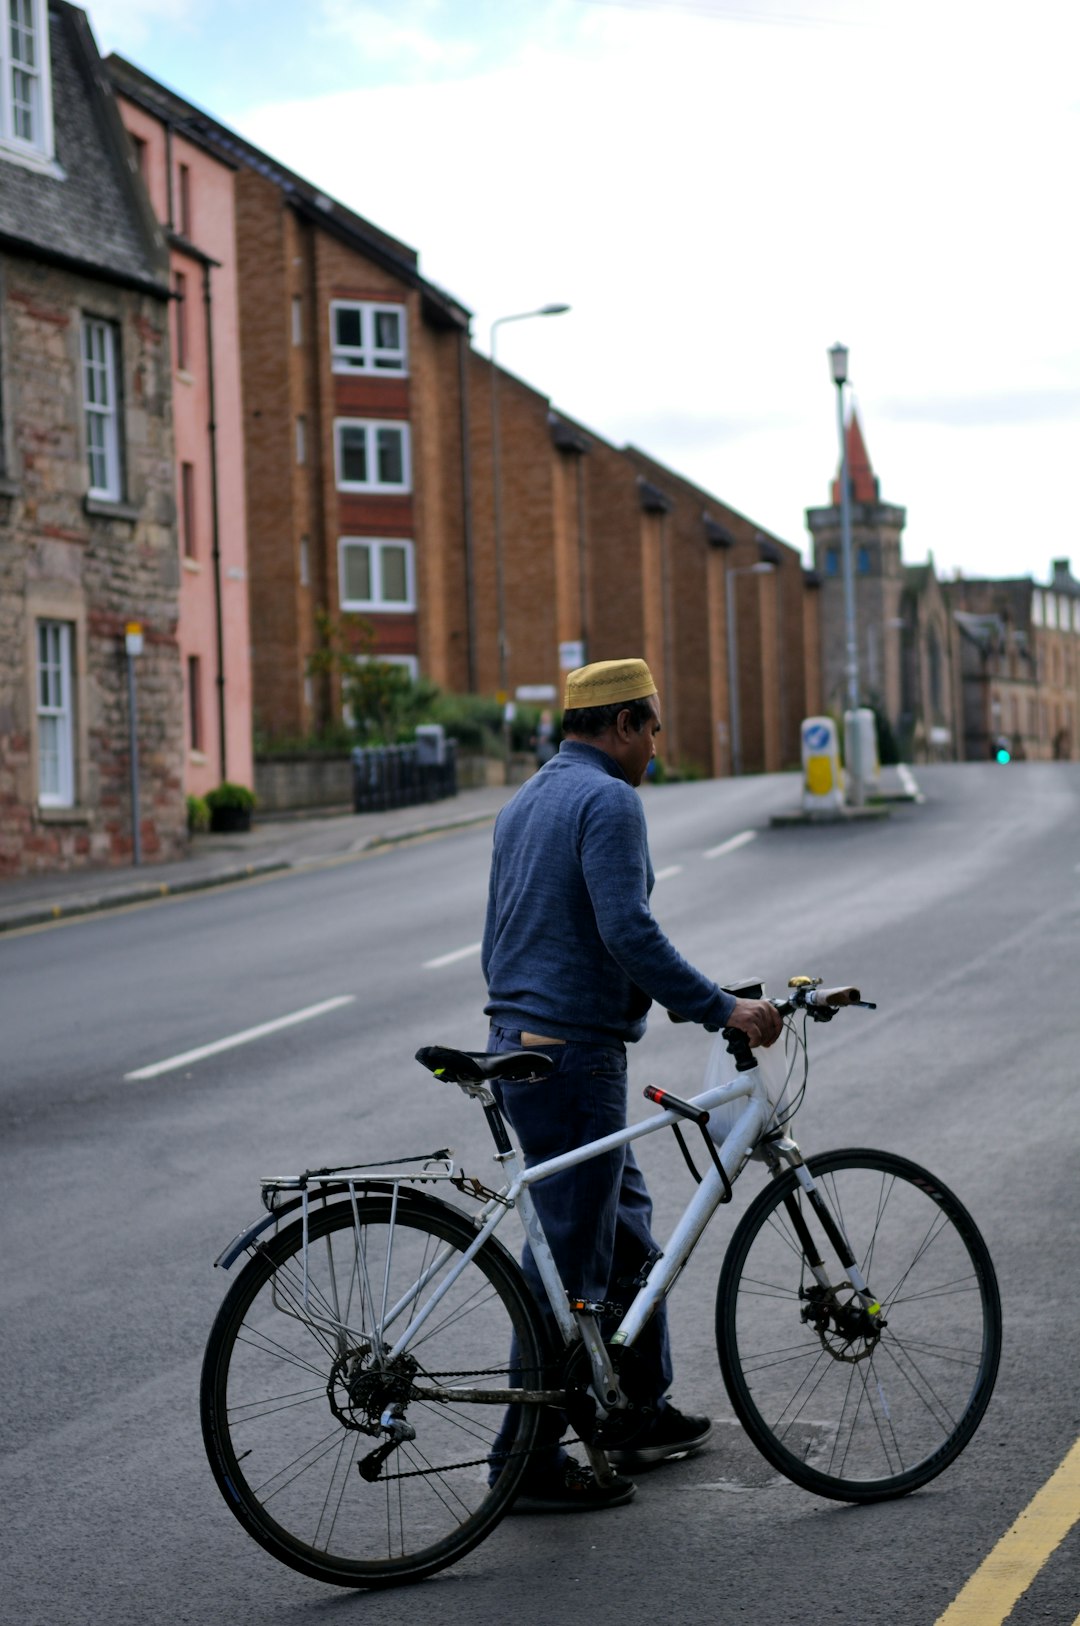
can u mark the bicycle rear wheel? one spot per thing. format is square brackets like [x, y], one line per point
[294, 1387]
[856, 1407]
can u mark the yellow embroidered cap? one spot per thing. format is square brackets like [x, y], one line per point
[604, 683]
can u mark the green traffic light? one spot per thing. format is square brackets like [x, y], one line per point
[1003, 756]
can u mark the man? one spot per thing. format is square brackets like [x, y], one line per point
[573, 959]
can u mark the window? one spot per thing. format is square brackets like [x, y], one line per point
[56, 767]
[301, 439]
[372, 456]
[25, 101]
[187, 508]
[1036, 608]
[184, 190]
[194, 696]
[140, 153]
[180, 292]
[305, 562]
[367, 338]
[100, 403]
[297, 319]
[376, 574]
[862, 562]
[832, 562]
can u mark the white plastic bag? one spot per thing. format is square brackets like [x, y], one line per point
[774, 1065]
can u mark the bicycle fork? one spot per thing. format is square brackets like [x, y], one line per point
[787, 1151]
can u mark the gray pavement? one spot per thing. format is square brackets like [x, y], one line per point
[286, 841]
[217, 860]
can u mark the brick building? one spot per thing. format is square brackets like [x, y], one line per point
[191, 190]
[353, 429]
[87, 522]
[606, 551]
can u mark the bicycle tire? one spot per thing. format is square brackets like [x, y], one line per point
[285, 1461]
[847, 1414]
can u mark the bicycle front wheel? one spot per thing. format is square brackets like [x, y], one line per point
[856, 1406]
[296, 1386]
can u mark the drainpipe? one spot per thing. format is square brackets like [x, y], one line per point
[215, 516]
[168, 176]
[583, 559]
[467, 511]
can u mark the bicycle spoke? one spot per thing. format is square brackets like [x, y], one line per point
[891, 1394]
[290, 1450]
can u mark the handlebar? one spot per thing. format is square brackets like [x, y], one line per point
[821, 999]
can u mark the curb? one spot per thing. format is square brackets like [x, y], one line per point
[41, 914]
[847, 815]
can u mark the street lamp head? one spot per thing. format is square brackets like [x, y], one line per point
[552, 310]
[838, 362]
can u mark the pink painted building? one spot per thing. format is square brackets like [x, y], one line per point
[192, 193]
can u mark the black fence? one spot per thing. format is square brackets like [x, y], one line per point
[386, 776]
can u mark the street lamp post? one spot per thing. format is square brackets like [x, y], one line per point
[496, 479]
[838, 361]
[762, 568]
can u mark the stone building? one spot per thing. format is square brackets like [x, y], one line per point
[87, 523]
[1018, 664]
[904, 634]
[191, 189]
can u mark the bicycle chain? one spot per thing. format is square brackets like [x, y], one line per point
[477, 1462]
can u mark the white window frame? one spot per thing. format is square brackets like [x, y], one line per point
[377, 602]
[385, 361]
[53, 705]
[99, 379]
[31, 19]
[372, 428]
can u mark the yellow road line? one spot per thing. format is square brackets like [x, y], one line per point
[1007, 1572]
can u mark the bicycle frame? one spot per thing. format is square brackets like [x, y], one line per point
[733, 1154]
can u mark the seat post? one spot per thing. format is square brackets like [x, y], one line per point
[497, 1125]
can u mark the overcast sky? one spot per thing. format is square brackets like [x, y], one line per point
[720, 189]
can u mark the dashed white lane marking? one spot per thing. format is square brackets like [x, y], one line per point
[731, 845]
[666, 874]
[248, 1035]
[455, 954]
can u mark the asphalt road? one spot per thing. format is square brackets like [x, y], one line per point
[959, 916]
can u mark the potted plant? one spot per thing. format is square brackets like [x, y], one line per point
[230, 807]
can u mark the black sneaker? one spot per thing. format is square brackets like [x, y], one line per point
[671, 1435]
[572, 1487]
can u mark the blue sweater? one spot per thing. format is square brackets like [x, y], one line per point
[571, 948]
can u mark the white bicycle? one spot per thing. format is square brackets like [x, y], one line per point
[358, 1370]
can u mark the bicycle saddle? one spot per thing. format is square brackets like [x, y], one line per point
[473, 1066]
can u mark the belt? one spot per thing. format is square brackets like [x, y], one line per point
[538, 1038]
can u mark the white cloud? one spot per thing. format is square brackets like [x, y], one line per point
[719, 201]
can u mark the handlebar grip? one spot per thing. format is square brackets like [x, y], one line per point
[834, 997]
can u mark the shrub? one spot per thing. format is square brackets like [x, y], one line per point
[229, 795]
[198, 814]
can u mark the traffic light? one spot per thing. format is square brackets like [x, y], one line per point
[1001, 750]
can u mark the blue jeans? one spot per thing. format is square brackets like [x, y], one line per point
[596, 1216]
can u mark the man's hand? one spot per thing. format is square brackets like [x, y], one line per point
[758, 1019]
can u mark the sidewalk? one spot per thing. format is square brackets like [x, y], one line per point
[280, 843]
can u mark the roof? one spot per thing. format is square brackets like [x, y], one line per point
[88, 211]
[864, 484]
[199, 127]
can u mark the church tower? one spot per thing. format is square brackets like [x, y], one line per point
[879, 585]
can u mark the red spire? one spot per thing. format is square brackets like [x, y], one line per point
[864, 484]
